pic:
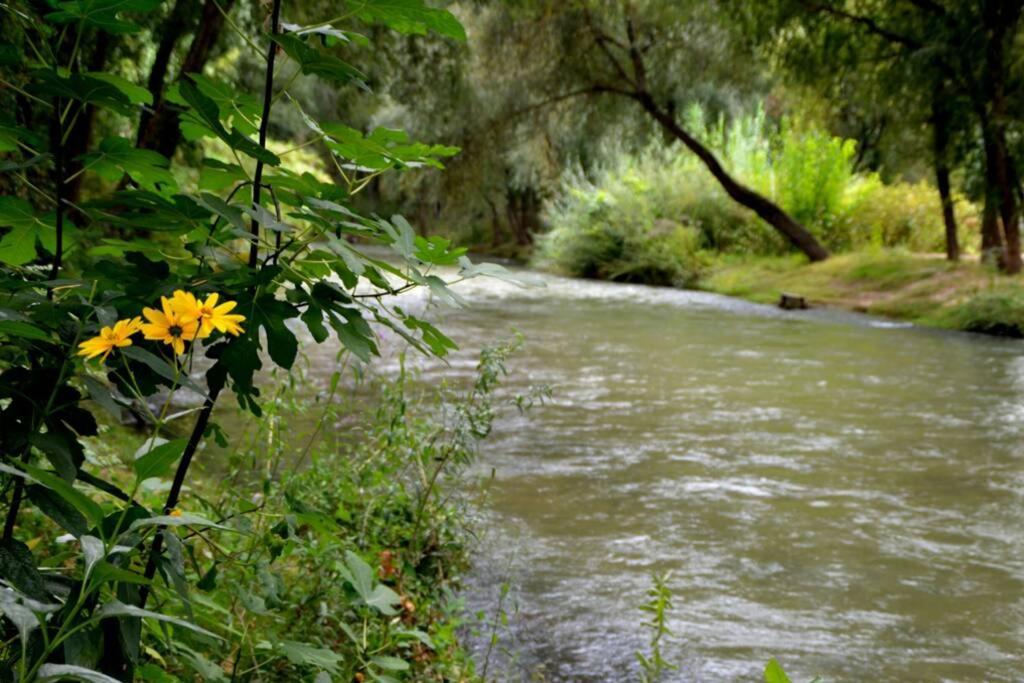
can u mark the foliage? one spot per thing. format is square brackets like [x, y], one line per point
[279, 248]
[623, 226]
[624, 223]
[997, 310]
[653, 665]
[348, 566]
[902, 214]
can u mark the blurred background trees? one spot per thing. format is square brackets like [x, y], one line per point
[916, 97]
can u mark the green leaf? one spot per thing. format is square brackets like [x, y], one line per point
[116, 608]
[99, 393]
[83, 88]
[361, 577]
[11, 134]
[229, 212]
[270, 314]
[468, 269]
[18, 568]
[403, 237]
[107, 573]
[18, 246]
[437, 250]
[216, 175]
[151, 673]
[773, 673]
[158, 461]
[439, 344]
[101, 14]
[390, 663]
[241, 109]
[13, 165]
[409, 16]
[81, 502]
[13, 328]
[208, 114]
[136, 94]
[160, 367]
[329, 34]
[117, 157]
[62, 672]
[304, 654]
[57, 509]
[184, 519]
[58, 451]
[383, 148]
[314, 62]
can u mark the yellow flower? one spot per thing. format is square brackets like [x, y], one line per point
[175, 513]
[208, 314]
[169, 326]
[109, 339]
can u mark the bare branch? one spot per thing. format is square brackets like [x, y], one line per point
[870, 24]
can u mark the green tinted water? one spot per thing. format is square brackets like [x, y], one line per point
[844, 494]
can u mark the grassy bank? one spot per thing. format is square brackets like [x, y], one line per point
[305, 554]
[920, 288]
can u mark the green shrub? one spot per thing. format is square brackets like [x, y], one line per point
[901, 214]
[644, 216]
[998, 311]
[620, 229]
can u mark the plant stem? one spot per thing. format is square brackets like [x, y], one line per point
[58, 181]
[58, 173]
[204, 415]
[268, 99]
[175, 493]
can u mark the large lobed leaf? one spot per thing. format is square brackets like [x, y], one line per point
[409, 16]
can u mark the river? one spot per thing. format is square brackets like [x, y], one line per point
[839, 492]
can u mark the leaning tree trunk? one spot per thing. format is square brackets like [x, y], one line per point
[767, 210]
[940, 137]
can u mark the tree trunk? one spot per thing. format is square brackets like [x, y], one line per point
[81, 133]
[766, 209]
[940, 136]
[170, 33]
[991, 235]
[162, 132]
[1008, 209]
[1000, 21]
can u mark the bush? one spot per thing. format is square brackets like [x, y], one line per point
[620, 229]
[902, 214]
[645, 216]
[998, 311]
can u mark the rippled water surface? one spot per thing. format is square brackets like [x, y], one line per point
[844, 494]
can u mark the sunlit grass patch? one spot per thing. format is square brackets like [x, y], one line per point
[922, 288]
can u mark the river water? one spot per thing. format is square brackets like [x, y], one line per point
[839, 492]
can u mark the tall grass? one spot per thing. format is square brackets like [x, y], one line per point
[647, 215]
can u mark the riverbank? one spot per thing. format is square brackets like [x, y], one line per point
[921, 288]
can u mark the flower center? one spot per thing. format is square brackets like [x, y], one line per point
[174, 330]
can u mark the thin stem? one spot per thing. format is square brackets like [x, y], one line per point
[203, 419]
[241, 34]
[58, 173]
[268, 99]
[21, 92]
[175, 493]
[19, 485]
